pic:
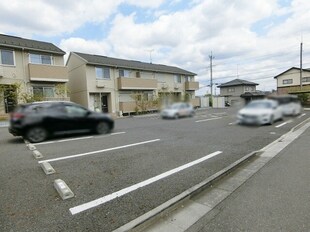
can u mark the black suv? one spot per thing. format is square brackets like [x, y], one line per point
[40, 120]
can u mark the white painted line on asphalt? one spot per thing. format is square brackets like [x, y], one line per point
[102, 200]
[100, 151]
[232, 123]
[208, 119]
[300, 116]
[284, 123]
[80, 138]
[116, 133]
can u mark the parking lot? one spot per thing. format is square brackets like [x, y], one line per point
[117, 177]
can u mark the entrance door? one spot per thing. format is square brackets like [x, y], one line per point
[104, 104]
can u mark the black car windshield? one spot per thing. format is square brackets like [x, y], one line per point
[259, 105]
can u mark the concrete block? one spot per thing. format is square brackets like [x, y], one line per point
[63, 190]
[47, 168]
[32, 147]
[37, 154]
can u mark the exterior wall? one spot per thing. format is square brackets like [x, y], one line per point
[19, 73]
[234, 97]
[293, 87]
[103, 86]
[238, 90]
[120, 90]
[77, 80]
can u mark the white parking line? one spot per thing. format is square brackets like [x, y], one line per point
[284, 123]
[102, 200]
[100, 151]
[300, 116]
[232, 123]
[208, 119]
[74, 139]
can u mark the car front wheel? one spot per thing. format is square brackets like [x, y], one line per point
[102, 128]
[36, 134]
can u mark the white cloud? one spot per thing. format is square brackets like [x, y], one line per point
[183, 38]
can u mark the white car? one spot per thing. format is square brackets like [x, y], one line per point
[260, 112]
[289, 104]
[177, 110]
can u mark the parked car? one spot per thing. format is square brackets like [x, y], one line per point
[289, 104]
[40, 120]
[260, 112]
[177, 110]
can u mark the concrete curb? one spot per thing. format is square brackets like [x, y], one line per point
[148, 218]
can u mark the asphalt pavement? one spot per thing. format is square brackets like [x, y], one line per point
[270, 193]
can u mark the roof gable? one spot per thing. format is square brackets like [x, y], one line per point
[131, 64]
[33, 45]
[237, 82]
[292, 68]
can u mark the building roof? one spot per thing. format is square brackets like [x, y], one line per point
[307, 70]
[254, 94]
[131, 64]
[33, 45]
[237, 82]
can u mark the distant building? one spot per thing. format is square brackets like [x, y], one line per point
[288, 82]
[233, 90]
[36, 66]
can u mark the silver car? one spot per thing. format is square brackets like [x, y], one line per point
[177, 110]
[260, 112]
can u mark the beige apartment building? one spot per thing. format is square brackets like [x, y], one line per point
[30, 70]
[119, 86]
[288, 82]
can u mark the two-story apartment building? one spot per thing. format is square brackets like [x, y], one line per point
[115, 85]
[232, 90]
[36, 67]
[288, 82]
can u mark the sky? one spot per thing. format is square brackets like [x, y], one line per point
[252, 40]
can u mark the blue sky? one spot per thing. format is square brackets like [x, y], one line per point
[254, 40]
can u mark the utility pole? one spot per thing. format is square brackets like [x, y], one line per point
[211, 81]
[300, 65]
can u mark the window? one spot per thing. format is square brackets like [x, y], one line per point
[188, 79]
[102, 73]
[231, 90]
[249, 88]
[123, 73]
[43, 91]
[306, 79]
[40, 59]
[177, 78]
[75, 111]
[138, 74]
[287, 81]
[7, 57]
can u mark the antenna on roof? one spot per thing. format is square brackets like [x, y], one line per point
[150, 51]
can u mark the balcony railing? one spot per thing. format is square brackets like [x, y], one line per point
[191, 85]
[50, 73]
[136, 83]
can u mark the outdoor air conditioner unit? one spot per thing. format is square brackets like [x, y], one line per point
[100, 84]
[176, 86]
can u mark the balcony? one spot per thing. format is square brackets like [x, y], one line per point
[49, 73]
[136, 83]
[191, 85]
